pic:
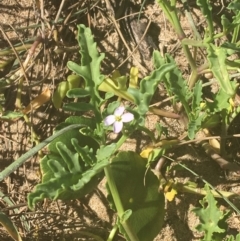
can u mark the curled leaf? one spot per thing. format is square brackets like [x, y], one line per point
[60, 93]
[133, 79]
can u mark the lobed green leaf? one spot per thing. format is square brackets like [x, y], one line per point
[90, 64]
[148, 86]
[66, 176]
[210, 216]
[217, 60]
[177, 85]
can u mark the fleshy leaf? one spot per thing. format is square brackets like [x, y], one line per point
[148, 86]
[206, 8]
[197, 97]
[111, 107]
[77, 93]
[138, 190]
[158, 60]
[210, 216]
[66, 176]
[86, 153]
[74, 81]
[217, 57]
[133, 78]
[196, 117]
[90, 64]
[177, 85]
[78, 106]
[66, 138]
[220, 102]
[126, 215]
[105, 151]
[194, 125]
[71, 169]
[60, 93]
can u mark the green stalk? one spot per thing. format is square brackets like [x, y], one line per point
[195, 43]
[211, 30]
[219, 35]
[165, 6]
[116, 197]
[191, 22]
[117, 201]
[171, 14]
[235, 34]
[112, 233]
[200, 191]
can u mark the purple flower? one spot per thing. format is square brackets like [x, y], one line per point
[118, 118]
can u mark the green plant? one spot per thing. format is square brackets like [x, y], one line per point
[78, 160]
[212, 220]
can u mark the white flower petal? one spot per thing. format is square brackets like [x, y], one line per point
[117, 126]
[119, 111]
[109, 120]
[127, 117]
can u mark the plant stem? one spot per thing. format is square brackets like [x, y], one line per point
[195, 43]
[112, 233]
[114, 191]
[171, 14]
[115, 195]
[200, 191]
[235, 34]
[118, 204]
[191, 21]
